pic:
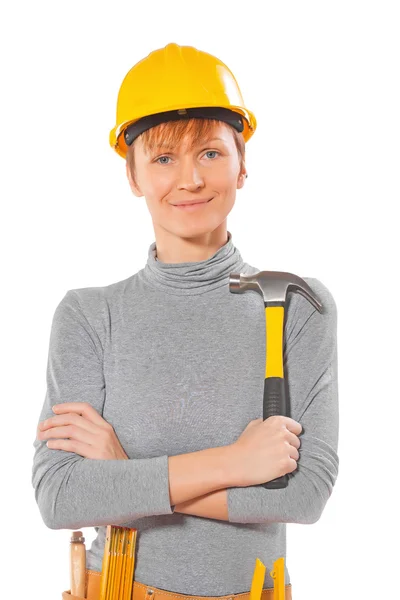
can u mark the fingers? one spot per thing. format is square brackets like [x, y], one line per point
[294, 440]
[297, 427]
[68, 419]
[83, 409]
[77, 427]
[294, 453]
[74, 446]
[68, 431]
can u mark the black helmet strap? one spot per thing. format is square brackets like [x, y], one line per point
[212, 112]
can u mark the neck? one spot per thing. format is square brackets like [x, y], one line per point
[172, 248]
[193, 277]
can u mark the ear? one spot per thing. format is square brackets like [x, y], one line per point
[241, 178]
[135, 189]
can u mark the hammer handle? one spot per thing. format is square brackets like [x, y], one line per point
[274, 403]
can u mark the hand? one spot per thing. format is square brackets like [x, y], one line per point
[79, 428]
[265, 450]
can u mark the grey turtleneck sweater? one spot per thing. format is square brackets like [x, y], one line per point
[175, 363]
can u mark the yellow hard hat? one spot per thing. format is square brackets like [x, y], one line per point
[177, 82]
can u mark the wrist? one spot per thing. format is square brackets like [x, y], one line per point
[230, 466]
[232, 463]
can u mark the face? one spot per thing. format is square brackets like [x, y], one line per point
[209, 171]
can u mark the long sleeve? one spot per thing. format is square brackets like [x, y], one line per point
[310, 361]
[72, 491]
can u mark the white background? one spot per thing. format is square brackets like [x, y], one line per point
[321, 200]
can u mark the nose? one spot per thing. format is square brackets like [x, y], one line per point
[190, 177]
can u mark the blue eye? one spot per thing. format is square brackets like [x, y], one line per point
[164, 163]
[215, 151]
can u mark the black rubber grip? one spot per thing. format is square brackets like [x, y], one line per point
[274, 403]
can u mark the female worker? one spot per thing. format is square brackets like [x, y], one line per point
[158, 379]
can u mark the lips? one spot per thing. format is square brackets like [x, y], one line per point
[192, 202]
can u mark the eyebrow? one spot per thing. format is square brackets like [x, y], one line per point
[213, 139]
[207, 141]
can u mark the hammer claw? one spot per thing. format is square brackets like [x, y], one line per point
[273, 286]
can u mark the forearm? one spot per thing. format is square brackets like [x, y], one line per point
[197, 474]
[213, 506]
[74, 492]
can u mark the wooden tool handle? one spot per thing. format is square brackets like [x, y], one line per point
[78, 564]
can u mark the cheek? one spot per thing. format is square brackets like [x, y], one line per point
[156, 191]
[225, 175]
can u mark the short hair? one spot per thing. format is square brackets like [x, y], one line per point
[170, 134]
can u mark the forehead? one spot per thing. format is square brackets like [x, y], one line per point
[174, 139]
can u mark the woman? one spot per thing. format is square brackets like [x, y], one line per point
[159, 378]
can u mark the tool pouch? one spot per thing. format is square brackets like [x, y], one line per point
[93, 579]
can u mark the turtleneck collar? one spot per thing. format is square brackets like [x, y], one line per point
[188, 278]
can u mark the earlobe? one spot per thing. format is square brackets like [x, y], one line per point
[136, 191]
[241, 180]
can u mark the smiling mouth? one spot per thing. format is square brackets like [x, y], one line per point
[190, 204]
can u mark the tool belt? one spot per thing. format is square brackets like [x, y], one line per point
[148, 592]
[116, 580]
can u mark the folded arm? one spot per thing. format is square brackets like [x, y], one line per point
[310, 358]
[71, 491]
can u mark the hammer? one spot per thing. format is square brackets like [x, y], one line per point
[273, 287]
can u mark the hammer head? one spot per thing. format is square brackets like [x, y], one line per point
[273, 286]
